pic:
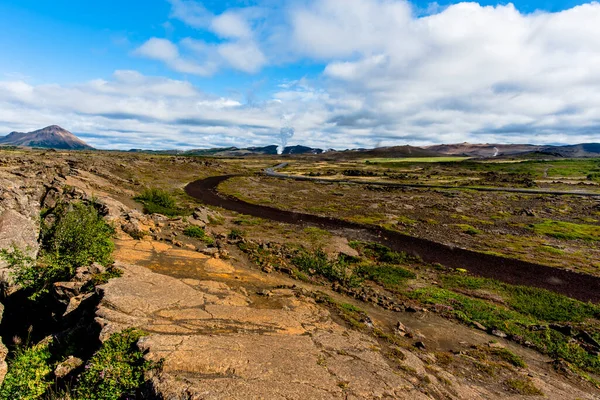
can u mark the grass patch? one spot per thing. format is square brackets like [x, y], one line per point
[525, 307]
[551, 250]
[391, 277]
[315, 235]
[379, 253]
[537, 303]
[468, 229]
[523, 386]
[158, 201]
[508, 356]
[198, 233]
[567, 230]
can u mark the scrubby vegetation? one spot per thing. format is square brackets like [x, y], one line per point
[78, 237]
[535, 317]
[198, 233]
[29, 373]
[158, 201]
[115, 371]
[317, 263]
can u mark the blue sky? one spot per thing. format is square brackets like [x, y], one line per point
[340, 73]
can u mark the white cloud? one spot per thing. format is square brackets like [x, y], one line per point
[191, 12]
[167, 52]
[231, 25]
[243, 56]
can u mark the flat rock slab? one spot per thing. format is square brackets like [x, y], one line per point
[210, 336]
[217, 343]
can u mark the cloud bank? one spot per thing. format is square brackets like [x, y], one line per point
[389, 76]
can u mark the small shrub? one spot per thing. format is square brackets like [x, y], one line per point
[29, 374]
[158, 201]
[198, 233]
[317, 263]
[116, 370]
[380, 253]
[79, 237]
[236, 234]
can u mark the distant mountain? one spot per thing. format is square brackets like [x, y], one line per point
[499, 150]
[484, 150]
[53, 137]
[575, 151]
[381, 152]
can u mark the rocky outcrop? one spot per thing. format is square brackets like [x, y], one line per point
[217, 343]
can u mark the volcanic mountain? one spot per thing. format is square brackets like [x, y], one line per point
[53, 137]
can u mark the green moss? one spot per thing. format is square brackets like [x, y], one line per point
[567, 230]
[551, 250]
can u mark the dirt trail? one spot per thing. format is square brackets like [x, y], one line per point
[579, 286]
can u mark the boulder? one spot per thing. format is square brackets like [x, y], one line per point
[64, 291]
[66, 367]
[16, 230]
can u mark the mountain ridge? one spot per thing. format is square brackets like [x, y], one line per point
[52, 136]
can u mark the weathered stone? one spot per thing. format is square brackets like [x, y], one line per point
[210, 251]
[479, 326]
[75, 302]
[66, 367]
[64, 291]
[498, 333]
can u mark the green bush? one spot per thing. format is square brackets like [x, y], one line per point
[29, 374]
[380, 253]
[158, 201]
[317, 263]
[78, 238]
[116, 370]
[235, 234]
[198, 233]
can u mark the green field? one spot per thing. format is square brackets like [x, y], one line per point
[416, 160]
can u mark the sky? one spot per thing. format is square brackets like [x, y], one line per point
[182, 74]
